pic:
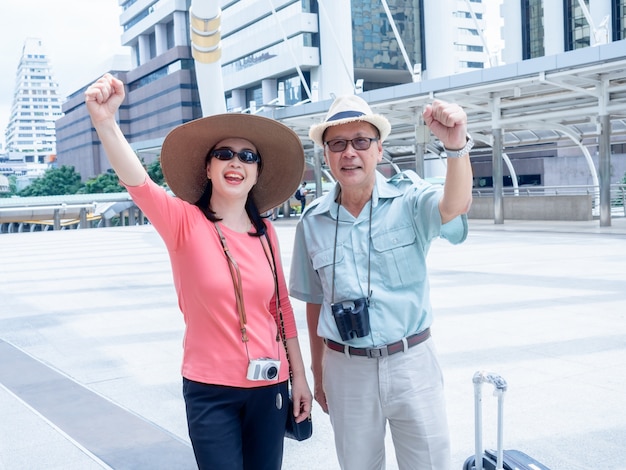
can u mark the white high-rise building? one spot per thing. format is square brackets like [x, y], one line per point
[30, 135]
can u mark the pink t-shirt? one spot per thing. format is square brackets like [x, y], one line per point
[214, 352]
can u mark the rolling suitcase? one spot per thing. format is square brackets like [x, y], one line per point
[498, 459]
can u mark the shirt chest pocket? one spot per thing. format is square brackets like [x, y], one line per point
[399, 258]
[323, 264]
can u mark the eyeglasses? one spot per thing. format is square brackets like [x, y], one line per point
[246, 156]
[358, 143]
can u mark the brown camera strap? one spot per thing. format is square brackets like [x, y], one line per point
[236, 275]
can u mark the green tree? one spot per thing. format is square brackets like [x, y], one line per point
[155, 172]
[55, 181]
[105, 183]
[12, 187]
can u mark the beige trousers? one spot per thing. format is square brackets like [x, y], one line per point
[404, 390]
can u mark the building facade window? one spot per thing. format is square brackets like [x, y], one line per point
[254, 98]
[290, 89]
[170, 34]
[619, 20]
[143, 14]
[577, 30]
[228, 97]
[182, 64]
[374, 42]
[471, 65]
[468, 32]
[309, 6]
[468, 48]
[152, 43]
[467, 15]
[135, 54]
[532, 29]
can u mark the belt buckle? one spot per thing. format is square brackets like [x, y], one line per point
[374, 353]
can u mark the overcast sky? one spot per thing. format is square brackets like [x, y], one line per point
[78, 35]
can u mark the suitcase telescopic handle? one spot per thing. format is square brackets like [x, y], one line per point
[500, 387]
[496, 380]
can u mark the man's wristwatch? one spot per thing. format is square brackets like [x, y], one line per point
[469, 144]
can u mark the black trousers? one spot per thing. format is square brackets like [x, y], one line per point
[236, 428]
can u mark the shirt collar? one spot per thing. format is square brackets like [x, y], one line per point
[384, 189]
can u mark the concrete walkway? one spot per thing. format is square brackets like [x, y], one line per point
[90, 347]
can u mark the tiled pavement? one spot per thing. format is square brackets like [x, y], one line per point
[90, 346]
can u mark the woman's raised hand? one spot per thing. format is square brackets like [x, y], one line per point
[103, 98]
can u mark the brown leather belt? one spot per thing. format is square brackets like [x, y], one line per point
[381, 351]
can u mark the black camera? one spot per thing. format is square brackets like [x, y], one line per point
[352, 318]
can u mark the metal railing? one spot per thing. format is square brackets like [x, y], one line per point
[618, 194]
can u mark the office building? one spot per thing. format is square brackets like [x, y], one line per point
[313, 50]
[537, 28]
[30, 134]
[281, 54]
[278, 53]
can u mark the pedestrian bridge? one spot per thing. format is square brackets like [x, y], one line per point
[79, 211]
[30, 214]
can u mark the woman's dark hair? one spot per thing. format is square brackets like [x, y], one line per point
[251, 209]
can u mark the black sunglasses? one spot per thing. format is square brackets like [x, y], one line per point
[358, 143]
[246, 156]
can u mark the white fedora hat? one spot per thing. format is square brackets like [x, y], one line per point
[349, 108]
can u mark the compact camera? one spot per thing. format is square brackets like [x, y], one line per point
[263, 369]
[352, 318]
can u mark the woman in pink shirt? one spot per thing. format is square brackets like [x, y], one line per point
[225, 170]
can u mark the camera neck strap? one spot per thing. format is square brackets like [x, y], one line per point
[237, 284]
[233, 267]
[269, 254]
[369, 249]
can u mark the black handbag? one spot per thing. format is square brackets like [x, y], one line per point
[297, 431]
[293, 430]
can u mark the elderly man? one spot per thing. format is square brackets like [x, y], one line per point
[359, 262]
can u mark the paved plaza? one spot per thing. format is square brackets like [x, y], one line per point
[90, 347]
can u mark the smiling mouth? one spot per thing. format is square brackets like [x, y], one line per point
[233, 177]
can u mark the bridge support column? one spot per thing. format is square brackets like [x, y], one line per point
[57, 219]
[498, 198]
[604, 164]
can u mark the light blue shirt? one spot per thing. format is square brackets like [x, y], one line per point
[405, 220]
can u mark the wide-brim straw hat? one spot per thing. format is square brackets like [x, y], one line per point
[345, 109]
[185, 148]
